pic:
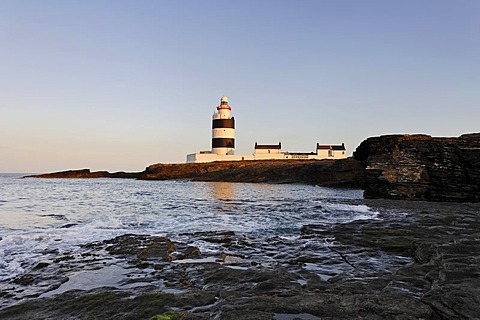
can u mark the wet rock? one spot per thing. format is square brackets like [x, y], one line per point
[189, 253]
[157, 248]
[24, 280]
[416, 260]
[147, 248]
[174, 315]
[443, 274]
[222, 237]
[50, 251]
[194, 299]
[68, 225]
[96, 304]
[64, 258]
[424, 252]
[41, 265]
[421, 167]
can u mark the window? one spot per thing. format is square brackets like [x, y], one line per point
[330, 153]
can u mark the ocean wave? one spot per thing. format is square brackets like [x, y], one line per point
[45, 218]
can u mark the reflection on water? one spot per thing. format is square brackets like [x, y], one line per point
[223, 190]
[224, 197]
[241, 198]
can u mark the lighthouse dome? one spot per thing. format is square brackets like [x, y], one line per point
[224, 99]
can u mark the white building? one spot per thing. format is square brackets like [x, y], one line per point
[223, 144]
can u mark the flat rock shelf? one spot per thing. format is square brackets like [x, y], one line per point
[419, 260]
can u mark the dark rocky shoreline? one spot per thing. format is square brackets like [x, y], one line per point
[418, 260]
[334, 173]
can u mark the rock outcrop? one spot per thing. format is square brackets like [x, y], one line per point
[342, 173]
[421, 167]
[335, 173]
[87, 174]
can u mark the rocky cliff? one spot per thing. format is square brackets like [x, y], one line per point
[421, 167]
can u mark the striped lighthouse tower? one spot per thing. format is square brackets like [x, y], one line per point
[223, 129]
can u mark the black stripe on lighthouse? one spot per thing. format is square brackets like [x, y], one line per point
[223, 123]
[223, 143]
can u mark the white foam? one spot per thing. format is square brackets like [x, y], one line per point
[201, 260]
[348, 207]
[95, 210]
[350, 212]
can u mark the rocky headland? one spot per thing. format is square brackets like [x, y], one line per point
[421, 167]
[86, 174]
[335, 173]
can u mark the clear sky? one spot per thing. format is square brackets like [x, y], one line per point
[118, 85]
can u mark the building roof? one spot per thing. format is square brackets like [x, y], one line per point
[341, 147]
[268, 146]
[331, 147]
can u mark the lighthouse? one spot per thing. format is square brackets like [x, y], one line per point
[223, 129]
[223, 144]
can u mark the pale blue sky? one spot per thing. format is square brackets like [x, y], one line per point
[118, 85]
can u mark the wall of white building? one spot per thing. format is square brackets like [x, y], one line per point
[210, 157]
[331, 154]
[268, 151]
[321, 154]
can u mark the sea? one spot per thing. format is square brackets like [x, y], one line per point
[38, 216]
